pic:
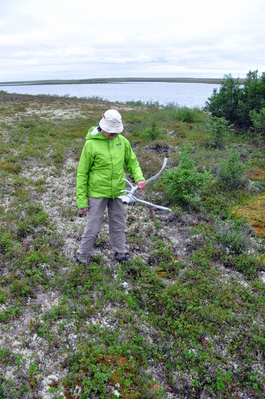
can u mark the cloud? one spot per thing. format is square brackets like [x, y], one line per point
[64, 39]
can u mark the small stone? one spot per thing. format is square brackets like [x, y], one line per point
[52, 377]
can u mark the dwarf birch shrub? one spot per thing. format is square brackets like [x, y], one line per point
[182, 183]
[185, 114]
[231, 174]
[235, 235]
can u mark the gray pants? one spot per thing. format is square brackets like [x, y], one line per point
[117, 225]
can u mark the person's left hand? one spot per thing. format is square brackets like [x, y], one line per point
[141, 184]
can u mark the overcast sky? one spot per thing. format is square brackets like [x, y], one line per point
[67, 39]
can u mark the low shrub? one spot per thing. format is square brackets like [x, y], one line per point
[182, 183]
[185, 114]
[152, 133]
[231, 171]
[234, 235]
[220, 130]
[247, 265]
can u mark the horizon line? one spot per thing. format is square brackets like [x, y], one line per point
[110, 80]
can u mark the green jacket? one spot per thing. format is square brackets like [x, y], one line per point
[100, 170]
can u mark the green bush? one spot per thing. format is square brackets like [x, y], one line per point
[258, 120]
[3, 296]
[7, 242]
[234, 235]
[235, 100]
[153, 133]
[220, 130]
[231, 174]
[182, 183]
[223, 104]
[249, 266]
[185, 114]
[21, 288]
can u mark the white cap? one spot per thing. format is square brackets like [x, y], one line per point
[111, 122]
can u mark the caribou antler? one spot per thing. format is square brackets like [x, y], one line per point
[129, 198]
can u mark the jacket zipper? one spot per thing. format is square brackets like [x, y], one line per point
[111, 168]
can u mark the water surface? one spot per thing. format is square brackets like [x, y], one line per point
[183, 94]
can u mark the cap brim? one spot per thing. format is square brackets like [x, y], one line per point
[110, 128]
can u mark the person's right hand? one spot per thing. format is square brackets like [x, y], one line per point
[141, 184]
[84, 210]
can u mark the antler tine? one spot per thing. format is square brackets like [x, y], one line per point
[158, 174]
[127, 181]
[150, 204]
[126, 191]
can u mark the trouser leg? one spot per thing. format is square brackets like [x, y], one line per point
[117, 225]
[95, 216]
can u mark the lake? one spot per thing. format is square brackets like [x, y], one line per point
[183, 94]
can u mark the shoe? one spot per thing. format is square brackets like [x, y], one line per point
[84, 259]
[121, 257]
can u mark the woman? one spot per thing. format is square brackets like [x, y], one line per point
[99, 183]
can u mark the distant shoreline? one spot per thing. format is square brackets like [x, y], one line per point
[113, 80]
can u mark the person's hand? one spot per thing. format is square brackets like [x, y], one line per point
[84, 210]
[141, 184]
